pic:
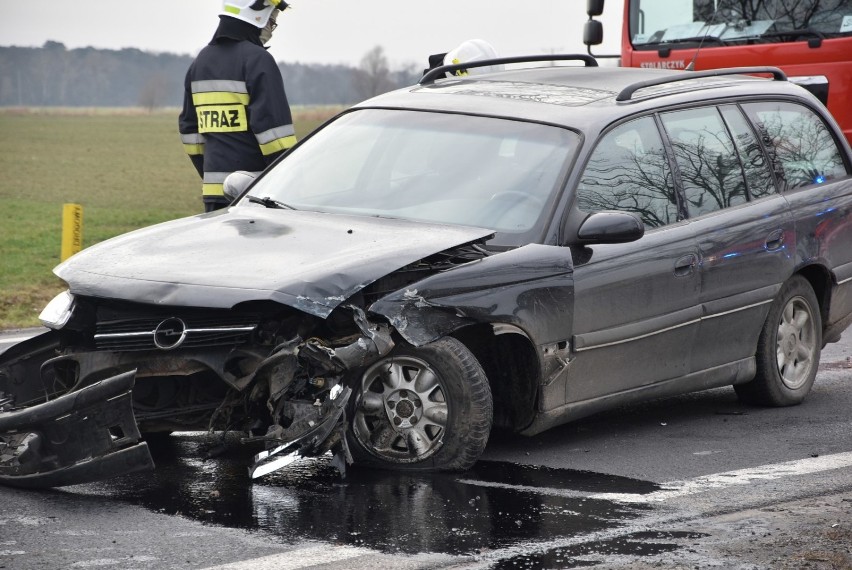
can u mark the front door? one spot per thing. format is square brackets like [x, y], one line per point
[636, 308]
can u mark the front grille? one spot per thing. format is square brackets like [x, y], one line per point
[175, 330]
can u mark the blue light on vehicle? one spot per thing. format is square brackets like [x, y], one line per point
[819, 179]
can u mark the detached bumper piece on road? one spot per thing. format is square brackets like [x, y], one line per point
[80, 437]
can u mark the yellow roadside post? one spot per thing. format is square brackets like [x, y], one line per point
[72, 230]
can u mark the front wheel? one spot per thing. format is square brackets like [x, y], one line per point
[422, 409]
[788, 348]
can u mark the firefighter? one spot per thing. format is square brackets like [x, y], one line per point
[235, 112]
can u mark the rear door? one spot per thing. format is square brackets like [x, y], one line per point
[814, 172]
[743, 227]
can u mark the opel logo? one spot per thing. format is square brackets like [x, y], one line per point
[170, 334]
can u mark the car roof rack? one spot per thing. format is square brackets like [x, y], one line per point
[627, 93]
[432, 74]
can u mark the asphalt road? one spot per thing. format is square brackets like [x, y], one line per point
[692, 481]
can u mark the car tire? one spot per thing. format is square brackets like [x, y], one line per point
[788, 348]
[425, 408]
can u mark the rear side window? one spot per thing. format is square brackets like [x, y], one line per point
[755, 165]
[801, 145]
[710, 169]
[628, 171]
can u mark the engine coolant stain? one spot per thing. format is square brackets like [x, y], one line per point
[389, 511]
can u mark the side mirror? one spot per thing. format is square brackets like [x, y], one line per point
[593, 33]
[236, 183]
[593, 29]
[594, 7]
[610, 227]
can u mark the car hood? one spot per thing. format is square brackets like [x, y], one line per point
[308, 260]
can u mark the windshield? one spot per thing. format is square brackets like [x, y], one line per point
[722, 22]
[445, 168]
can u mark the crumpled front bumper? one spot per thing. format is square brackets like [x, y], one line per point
[86, 435]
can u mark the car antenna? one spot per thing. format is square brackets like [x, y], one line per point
[711, 22]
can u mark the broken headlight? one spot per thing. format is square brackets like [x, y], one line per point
[58, 312]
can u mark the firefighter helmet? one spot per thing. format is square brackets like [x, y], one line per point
[255, 12]
[473, 50]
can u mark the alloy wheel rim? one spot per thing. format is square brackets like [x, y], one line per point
[796, 343]
[401, 412]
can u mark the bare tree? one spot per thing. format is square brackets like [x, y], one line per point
[373, 74]
[154, 92]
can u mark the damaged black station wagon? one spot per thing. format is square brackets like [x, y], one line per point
[515, 249]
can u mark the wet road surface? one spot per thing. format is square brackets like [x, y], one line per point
[389, 512]
[521, 508]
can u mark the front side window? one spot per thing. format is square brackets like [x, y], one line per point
[629, 171]
[801, 145]
[433, 167]
[710, 170]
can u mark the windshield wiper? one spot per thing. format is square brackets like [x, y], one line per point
[672, 44]
[691, 40]
[807, 32]
[269, 202]
[803, 32]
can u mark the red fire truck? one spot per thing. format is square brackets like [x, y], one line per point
[810, 40]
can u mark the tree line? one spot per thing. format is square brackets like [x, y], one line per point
[53, 75]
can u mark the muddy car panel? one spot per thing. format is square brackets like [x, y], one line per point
[481, 253]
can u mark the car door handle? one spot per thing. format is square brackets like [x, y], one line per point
[686, 265]
[774, 241]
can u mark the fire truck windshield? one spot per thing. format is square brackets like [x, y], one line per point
[735, 22]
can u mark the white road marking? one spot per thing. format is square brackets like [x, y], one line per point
[299, 558]
[551, 491]
[746, 476]
[657, 518]
[96, 563]
[675, 489]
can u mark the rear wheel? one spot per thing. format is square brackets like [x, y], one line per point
[422, 408]
[788, 348]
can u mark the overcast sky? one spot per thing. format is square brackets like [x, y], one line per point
[316, 31]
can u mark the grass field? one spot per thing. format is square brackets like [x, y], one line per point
[126, 168]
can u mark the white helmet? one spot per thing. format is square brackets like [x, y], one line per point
[255, 12]
[469, 51]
